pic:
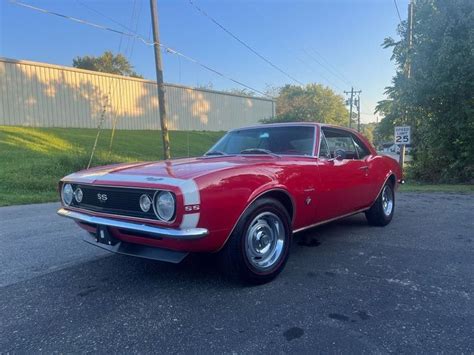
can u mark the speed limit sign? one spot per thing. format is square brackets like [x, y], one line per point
[403, 135]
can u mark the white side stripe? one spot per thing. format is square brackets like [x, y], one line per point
[189, 220]
[190, 192]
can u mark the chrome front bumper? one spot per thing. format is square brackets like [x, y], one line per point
[151, 231]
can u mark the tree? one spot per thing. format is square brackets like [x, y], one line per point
[367, 130]
[106, 63]
[239, 91]
[311, 103]
[208, 86]
[437, 100]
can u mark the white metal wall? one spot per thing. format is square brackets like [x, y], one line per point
[43, 95]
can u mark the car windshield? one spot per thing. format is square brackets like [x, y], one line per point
[288, 140]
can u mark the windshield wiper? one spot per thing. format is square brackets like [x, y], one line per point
[258, 151]
[215, 152]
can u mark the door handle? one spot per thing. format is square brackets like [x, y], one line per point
[365, 169]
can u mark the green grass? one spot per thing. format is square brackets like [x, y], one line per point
[418, 187]
[32, 160]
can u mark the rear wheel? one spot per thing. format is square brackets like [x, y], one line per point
[381, 212]
[258, 248]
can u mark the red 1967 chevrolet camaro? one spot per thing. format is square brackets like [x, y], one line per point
[243, 199]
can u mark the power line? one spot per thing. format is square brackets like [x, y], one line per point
[97, 12]
[332, 69]
[136, 15]
[326, 67]
[310, 69]
[130, 24]
[398, 11]
[143, 40]
[119, 23]
[102, 117]
[113, 117]
[204, 13]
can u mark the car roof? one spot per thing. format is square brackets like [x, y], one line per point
[311, 124]
[284, 124]
[291, 124]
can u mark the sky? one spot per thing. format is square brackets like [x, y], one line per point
[333, 42]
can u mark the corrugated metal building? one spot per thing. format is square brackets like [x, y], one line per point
[43, 95]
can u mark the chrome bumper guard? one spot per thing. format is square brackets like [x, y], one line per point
[152, 231]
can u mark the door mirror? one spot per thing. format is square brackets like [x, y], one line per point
[339, 154]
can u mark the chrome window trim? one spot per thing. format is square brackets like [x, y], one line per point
[321, 137]
[360, 142]
[344, 131]
[314, 142]
[313, 151]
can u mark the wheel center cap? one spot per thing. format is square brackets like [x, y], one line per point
[262, 239]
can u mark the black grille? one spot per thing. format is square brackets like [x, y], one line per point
[120, 201]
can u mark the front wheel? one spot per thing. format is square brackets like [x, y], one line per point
[258, 248]
[381, 212]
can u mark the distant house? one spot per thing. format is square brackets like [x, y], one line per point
[394, 148]
[389, 147]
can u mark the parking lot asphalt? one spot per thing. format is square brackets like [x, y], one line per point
[348, 287]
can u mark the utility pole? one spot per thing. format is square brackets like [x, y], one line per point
[407, 68]
[351, 102]
[358, 113]
[159, 80]
[410, 38]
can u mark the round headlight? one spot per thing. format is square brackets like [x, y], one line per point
[165, 205]
[67, 194]
[145, 203]
[78, 195]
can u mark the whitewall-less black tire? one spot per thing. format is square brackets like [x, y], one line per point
[381, 212]
[258, 248]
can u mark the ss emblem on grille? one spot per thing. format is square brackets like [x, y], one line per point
[102, 197]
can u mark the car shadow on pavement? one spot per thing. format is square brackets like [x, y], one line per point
[195, 271]
[341, 229]
[205, 269]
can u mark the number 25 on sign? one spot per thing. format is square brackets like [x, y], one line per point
[403, 135]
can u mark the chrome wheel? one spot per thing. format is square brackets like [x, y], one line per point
[387, 200]
[264, 241]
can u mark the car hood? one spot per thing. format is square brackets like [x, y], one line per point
[189, 168]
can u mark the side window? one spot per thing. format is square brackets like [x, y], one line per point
[362, 150]
[323, 147]
[340, 139]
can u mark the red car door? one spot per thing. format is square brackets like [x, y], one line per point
[344, 185]
[370, 184]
